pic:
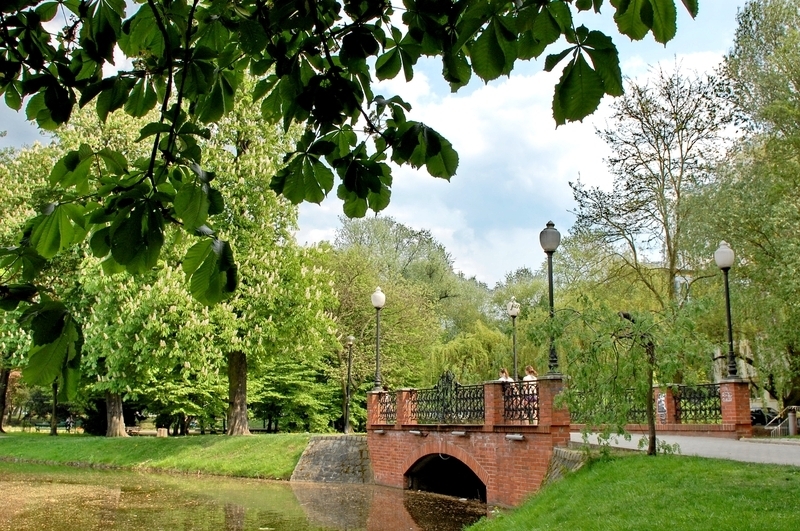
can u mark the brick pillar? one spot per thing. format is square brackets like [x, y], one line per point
[549, 415]
[669, 403]
[493, 412]
[373, 411]
[404, 408]
[735, 401]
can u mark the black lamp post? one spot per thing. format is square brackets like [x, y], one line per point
[350, 340]
[550, 238]
[724, 256]
[512, 309]
[378, 300]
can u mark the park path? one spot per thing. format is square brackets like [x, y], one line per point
[775, 451]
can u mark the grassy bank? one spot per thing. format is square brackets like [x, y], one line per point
[667, 492]
[259, 456]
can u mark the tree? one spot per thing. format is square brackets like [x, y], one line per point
[665, 137]
[762, 67]
[399, 251]
[188, 62]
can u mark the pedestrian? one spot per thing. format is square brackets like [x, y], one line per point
[504, 377]
[530, 374]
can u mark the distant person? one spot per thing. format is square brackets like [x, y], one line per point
[530, 374]
[504, 377]
[69, 423]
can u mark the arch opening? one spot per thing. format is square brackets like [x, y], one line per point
[445, 474]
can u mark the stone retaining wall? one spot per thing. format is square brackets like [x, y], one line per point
[335, 459]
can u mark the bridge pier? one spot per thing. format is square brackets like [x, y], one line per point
[510, 457]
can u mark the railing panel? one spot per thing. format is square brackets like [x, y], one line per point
[448, 402]
[521, 401]
[387, 408]
[697, 404]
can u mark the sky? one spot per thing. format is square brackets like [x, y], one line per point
[515, 165]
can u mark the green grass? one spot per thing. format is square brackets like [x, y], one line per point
[666, 492]
[260, 456]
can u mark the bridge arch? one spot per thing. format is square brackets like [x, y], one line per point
[438, 466]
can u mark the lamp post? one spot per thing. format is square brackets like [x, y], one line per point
[550, 238]
[350, 340]
[512, 309]
[723, 256]
[378, 300]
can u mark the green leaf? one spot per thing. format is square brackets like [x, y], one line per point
[252, 37]
[114, 98]
[142, 99]
[212, 271]
[388, 65]
[691, 6]
[46, 362]
[353, 206]
[488, 58]
[192, 205]
[45, 321]
[664, 20]
[116, 163]
[100, 243]
[13, 97]
[578, 92]
[54, 232]
[629, 18]
[445, 162]
[216, 202]
[151, 129]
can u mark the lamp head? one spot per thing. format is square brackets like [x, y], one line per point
[550, 238]
[512, 308]
[350, 341]
[724, 256]
[378, 298]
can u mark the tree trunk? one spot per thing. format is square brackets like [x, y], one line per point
[53, 418]
[4, 376]
[115, 422]
[237, 394]
[651, 418]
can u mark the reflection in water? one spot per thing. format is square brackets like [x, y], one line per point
[65, 499]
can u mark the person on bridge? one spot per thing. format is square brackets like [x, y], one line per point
[504, 377]
[530, 374]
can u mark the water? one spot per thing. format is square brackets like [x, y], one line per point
[44, 498]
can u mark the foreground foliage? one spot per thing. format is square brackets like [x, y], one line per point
[671, 492]
[186, 61]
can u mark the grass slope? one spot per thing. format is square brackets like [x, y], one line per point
[667, 492]
[261, 456]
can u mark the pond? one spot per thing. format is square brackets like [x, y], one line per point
[45, 498]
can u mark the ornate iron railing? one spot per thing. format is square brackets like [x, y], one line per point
[521, 401]
[589, 407]
[387, 407]
[447, 402]
[697, 404]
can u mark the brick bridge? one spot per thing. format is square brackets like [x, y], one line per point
[494, 441]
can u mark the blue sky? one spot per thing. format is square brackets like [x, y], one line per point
[515, 165]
